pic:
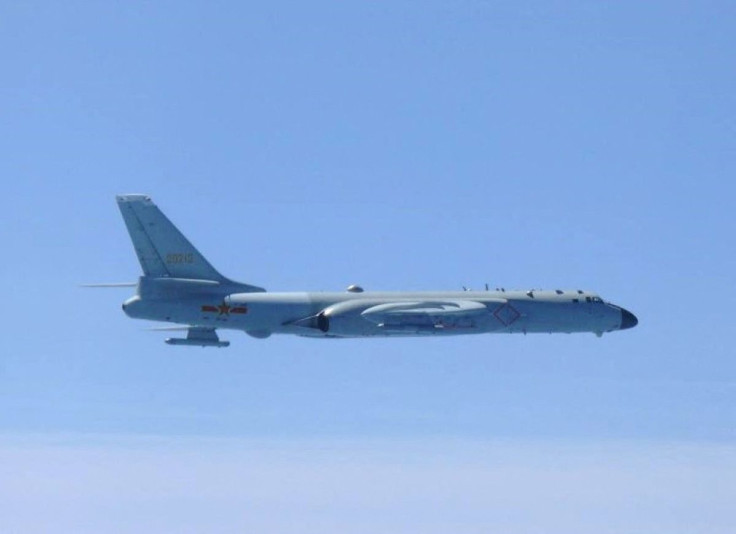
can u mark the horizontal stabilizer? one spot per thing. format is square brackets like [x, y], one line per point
[199, 337]
[119, 284]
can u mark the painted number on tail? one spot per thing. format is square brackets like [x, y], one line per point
[180, 258]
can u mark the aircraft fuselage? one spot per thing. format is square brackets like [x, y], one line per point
[370, 314]
[180, 286]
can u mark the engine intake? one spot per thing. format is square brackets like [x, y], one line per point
[323, 322]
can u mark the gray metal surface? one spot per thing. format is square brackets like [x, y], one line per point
[180, 286]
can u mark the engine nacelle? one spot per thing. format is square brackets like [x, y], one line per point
[343, 318]
[323, 322]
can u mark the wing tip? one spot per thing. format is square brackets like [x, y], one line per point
[132, 197]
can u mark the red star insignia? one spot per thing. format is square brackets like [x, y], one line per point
[224, 309]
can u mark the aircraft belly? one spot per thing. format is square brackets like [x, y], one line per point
[565, 317]
[272, 311]
[543, 317]
[299, 313]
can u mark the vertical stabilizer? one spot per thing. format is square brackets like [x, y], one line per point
[162, 249]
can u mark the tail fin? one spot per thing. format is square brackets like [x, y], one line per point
[162, 249]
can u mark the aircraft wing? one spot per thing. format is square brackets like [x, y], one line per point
[198, 336]
[437, 314]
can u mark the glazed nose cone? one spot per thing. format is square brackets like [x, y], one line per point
[628, 320]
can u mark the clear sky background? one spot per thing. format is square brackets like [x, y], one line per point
[401, 146]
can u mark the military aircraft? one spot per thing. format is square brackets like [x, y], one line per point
[180, 286]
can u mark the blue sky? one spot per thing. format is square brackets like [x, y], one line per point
[396, 145]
